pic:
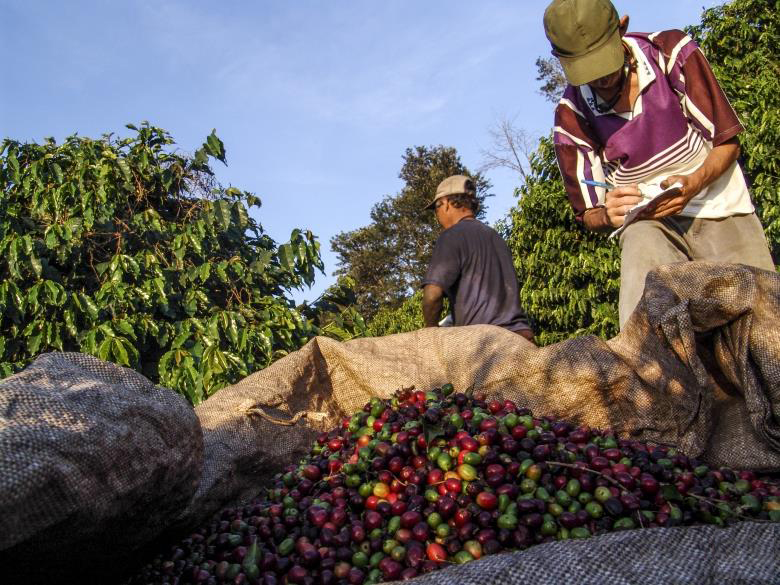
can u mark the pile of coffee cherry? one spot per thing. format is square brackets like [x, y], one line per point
[426, 480]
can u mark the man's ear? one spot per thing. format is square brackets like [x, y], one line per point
[623, 26]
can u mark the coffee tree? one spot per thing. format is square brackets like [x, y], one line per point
[407, 317]
[128, 250]
[334, 314]
[569, 277]
[741, 40]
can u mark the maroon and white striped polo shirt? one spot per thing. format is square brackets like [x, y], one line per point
[680, 114]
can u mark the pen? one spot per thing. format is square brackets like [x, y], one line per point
[596, 184]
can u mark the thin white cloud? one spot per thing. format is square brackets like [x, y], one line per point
[356, 69]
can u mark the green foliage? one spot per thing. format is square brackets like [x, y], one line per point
[569, 277]
[550, 72]
[406, 317]
[334, 313]
[389, 257]
[129, 251]
[742, 43]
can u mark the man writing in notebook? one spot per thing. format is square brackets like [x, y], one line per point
[646, 108]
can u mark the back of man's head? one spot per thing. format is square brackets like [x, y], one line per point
[454, 185]
[464, 201]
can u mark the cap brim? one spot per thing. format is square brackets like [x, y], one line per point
[602, 61]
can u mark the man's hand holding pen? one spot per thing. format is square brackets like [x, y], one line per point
[618, 201]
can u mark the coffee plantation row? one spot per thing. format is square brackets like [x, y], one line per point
[130, 250]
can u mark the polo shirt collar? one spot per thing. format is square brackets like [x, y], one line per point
[644, 70]
[646, 76]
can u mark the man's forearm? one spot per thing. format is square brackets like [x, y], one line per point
[596, 220]
[431, 305]
[528, 334]
[432, 312]
[717, 162]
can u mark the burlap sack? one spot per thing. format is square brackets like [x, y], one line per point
[696, 366]
[744, 554]
[95, 461]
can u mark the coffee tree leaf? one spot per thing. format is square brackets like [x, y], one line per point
[127, 248]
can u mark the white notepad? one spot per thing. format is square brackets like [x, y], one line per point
[653, 195]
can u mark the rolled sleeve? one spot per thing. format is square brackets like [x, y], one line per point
[578, 159]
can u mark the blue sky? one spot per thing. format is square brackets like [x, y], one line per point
[316, 101]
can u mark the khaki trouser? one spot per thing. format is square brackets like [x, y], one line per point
[649, 243]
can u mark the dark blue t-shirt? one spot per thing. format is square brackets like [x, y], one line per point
[473, 265]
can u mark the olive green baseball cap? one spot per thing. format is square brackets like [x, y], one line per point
[585, 36]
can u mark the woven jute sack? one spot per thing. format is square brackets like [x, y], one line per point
[697, 366]
[95, 461]
[746, 554]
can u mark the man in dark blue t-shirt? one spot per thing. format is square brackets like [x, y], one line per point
[471, 265]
